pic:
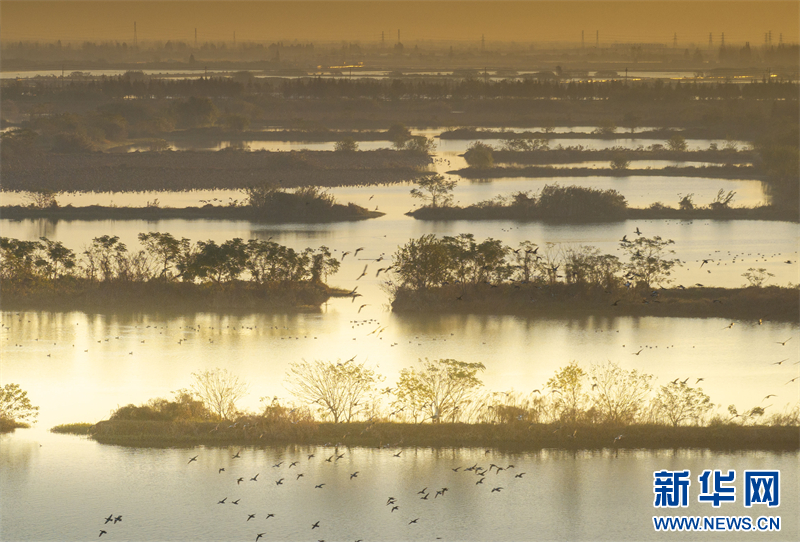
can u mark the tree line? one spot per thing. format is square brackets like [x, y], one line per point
[166, 259]
[451, 391]
[412, 88]
[430, 262]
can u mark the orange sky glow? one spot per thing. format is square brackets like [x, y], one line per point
[418, 21]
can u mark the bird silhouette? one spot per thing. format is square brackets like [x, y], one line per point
[421, 492]
[239, 481]
[279, 482]
[519, 475]
[270, 516]
[251, 516]
[318, 486]
[781, 361]
[413, 521]
[254, 478]
[362, 306]
[395, 508]
[292, 464]
[784, 342]
[221, 470]
[222, 501]
[237, 456]
[236, 502]
[109, 518]
[259, 535]
[497, 489]
[363, 273]
[354, 475]
[480, 481]
[192, 459]
[102, 532]
[314, 526]
[359, 249]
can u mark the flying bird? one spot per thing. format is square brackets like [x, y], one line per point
[192, 459]
[363, 273]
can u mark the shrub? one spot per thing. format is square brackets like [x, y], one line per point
[479, 155]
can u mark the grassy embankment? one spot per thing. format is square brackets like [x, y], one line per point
[695, 132]
[205, 170]
[571, 204]
[512, 436]
[713, 172]
[495, 211]
[305, 205]
[7, 425]
[753, 304]
[573, 155]
[72, 293]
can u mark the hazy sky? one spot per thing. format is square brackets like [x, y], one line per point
[523, 21]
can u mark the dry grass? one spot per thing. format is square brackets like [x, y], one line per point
[521, 435]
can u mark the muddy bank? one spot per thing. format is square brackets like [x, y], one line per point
[566, 300]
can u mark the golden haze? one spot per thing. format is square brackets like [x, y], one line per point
[527, 21]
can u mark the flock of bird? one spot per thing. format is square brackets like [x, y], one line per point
[293, 475]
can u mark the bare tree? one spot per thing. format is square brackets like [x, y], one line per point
[677, 403]
[619, 395]
[219, 390]
[340, 388]
[439, 390]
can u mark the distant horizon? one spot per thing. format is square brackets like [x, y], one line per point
[679, 23]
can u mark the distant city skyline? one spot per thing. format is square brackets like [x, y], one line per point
[682, 23]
